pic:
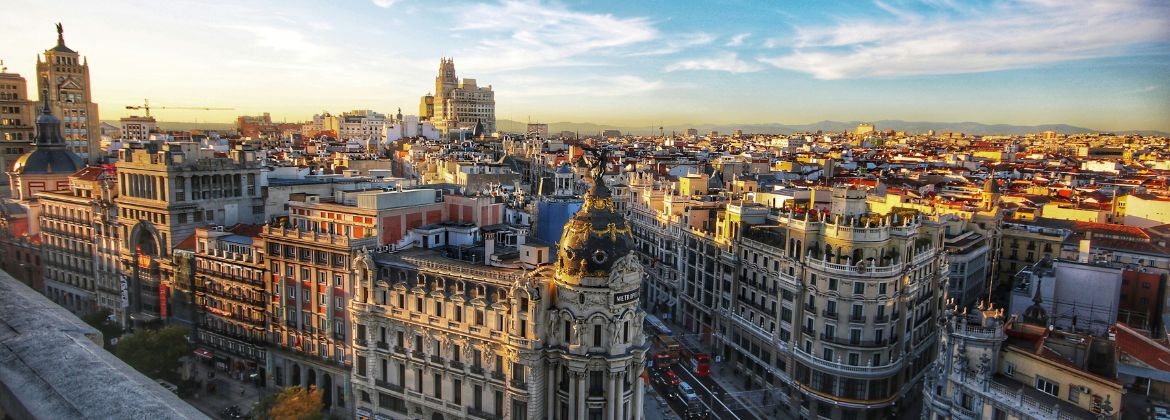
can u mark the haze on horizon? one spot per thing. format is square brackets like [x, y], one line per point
[1101, 65]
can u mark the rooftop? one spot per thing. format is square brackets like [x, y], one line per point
[53, 367]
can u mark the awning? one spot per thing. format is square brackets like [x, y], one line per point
[204, 353]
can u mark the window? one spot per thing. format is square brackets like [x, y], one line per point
[596, 336]
[438, 385]
[457, 391]
[832, 283]
[1048, 387]
[1074, 394]
[1009, 369]
[858, 288]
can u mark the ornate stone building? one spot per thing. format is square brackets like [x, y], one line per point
[838, 309]
[993, 367]
[459, 104]
[66, 76]
[442, 338]
[166, 190]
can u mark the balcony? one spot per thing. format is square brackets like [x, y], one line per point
[400, 349]
[455, 364]
[830, 315]
[746, 325]
[418, 354]
[857, 318]
[436, 359]
[498, 375]
[881, 319]
[850, 342]
[846, 369]
[854, 269]
[518, 384]
[383, 345]
[387, 385]
[478, 413]
[477, 370]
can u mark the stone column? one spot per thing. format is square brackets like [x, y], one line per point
[637, 400]
[550, 397]
[581, 390]
[615, 396]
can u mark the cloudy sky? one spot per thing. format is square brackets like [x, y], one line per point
[1098, 64]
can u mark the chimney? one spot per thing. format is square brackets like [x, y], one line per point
[489, 247]
[1083, 250]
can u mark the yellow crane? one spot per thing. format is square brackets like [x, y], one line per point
[146, 107]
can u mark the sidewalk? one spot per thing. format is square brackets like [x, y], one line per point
[228, 392]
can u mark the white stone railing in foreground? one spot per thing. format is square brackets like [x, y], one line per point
[52, 366]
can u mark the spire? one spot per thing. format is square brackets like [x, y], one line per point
[45, 93]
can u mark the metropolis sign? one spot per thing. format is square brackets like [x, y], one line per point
[625, 297]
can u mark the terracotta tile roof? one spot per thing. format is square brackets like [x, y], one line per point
[187, 244]
[88, 173]
[1138, 346]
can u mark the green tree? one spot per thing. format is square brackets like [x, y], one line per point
[155, 353]
[100, 319]
[292, 403]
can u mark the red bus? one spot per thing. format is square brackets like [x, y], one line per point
[701, 365]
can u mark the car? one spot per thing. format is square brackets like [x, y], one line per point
[686, 392]
[666, 378]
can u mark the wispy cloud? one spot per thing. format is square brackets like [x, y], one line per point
[599, 86]
[676, 44]
[286, 39]
[385, 3]
[728, 62]
[1146, 89]
[520, 34]
[737, 40]
[946, 39]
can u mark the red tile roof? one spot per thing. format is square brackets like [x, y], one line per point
[1145, 349]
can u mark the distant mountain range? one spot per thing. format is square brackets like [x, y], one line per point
[914, 127]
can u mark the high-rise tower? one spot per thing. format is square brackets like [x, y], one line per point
[66, 76]
[458, 104]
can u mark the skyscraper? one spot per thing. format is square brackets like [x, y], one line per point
[66, 75]
[459, 104]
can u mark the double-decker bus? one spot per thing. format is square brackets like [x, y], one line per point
[698, 363]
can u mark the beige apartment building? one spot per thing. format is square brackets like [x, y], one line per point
[16, 121]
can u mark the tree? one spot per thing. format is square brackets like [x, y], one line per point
[100, 319]
[155, 353]
[292, 403]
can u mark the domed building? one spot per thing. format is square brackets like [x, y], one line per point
[48, 166]
[596, 349]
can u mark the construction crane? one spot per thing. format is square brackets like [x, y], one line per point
[146, 106]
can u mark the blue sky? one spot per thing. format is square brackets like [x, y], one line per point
[1098, 64]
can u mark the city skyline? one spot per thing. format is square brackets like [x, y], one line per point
[1026, 62]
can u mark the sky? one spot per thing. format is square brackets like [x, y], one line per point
[1098, 64]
